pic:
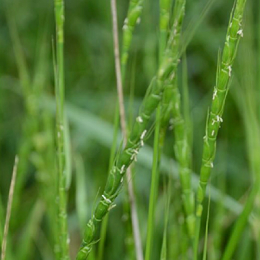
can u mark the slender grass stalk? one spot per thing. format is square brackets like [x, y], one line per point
[118, 69]
[129, 153]
[61, 165]
[205, 249]
[164, 254]
[103, 233]
[9, 209]
[214, 119]
[153, 189]
[134, 216]
[157, 145]
[134, 219]
[258, 28]
[1, 220]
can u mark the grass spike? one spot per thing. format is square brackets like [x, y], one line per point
[128, 154]
[224, 73]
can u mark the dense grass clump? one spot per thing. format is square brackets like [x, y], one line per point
[104, 106]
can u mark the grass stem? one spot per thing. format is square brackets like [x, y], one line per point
[9, 209]
[61, 164]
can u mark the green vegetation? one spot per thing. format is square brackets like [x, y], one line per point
[121, 166]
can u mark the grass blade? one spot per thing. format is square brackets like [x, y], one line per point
[9, 209]
[206, 233]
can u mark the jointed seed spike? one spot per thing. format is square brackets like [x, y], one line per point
[59, 93]
[218, 102]
[126, 156]
[133, 17]
[223, 79]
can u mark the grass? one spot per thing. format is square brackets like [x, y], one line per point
[164, 23]
[9, 209]
[63, 239]
[214, 119]
[136, 151]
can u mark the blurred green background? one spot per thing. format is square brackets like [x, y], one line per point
[27, 120]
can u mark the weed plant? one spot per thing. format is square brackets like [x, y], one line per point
[118, 168]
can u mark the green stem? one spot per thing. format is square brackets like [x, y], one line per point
[214, 120]
[153, 190]
[59, 94]
[158, 138]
